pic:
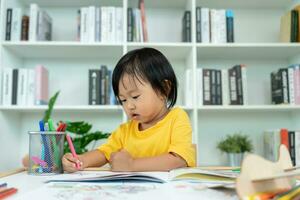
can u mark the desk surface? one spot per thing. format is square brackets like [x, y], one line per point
[27, 184]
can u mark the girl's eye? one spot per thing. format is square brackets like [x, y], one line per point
[122, 100]
[135, 97]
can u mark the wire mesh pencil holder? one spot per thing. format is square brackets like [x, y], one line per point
[45, 152]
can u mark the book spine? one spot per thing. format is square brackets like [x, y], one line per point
[225, 87]
[291, 85]
[93, 86]
[16, 24]
[222, 26]
[244, 84]
[22, 87]
[119, 24]
[8, 24]
[206, 87]
[91, 23]
[78, 25]
[214, 26]
[232, 86]
[219, 87]
[97, 24]
[297, 147]
[205, 25]
[33, 22]
[285, 85]
[7, 86]
[31, 88]
[230, 26]
[103, 85]
[41, 85]
[84, 34]
[15, 86]
[188, 26]
[291, 135]
[199, 86]
[198, 24]
[143, 19]
[297, 84]
[25, 28]
[294, 26]
[284, 137]
[213, 93]
[129, 25]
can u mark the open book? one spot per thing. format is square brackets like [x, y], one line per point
[198, 174]
[185, 174]
[101, 176]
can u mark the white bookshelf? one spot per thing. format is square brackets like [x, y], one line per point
[256, 35]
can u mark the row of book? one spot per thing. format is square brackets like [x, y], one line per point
[100, 87]
[218, 86]
[274, 138]
[214, 25]
[289, 26]
[285, 85]
[100, 24]
[35, 27]
[136, 24]
[24, 87]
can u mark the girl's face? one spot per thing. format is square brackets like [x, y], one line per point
[141, 102]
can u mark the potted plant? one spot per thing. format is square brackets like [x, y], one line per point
[235, 146]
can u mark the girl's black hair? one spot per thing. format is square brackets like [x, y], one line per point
[151, 66]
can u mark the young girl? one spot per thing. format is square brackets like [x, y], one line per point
[157, 137]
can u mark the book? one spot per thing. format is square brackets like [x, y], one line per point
[183, 174]
[108, 176]
[203, 175]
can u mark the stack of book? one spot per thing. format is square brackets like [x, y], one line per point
[100, 24]
[136, 24]
[37, 27]
[100, 87]
[214, 25]
[218, 87]
[274, 138]
[24, 87]
[285, 85]
[289, 26]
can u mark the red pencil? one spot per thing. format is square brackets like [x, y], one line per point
[8, 192]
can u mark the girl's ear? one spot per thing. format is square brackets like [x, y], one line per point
[167, 87]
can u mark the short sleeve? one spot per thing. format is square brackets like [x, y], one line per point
[113, 143]
[181, 139]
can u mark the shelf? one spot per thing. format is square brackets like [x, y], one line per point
[245, 4]
[248, 51]
[80, 109]
[250, 108]
[73, 3]
[64, 49]
[170, 50]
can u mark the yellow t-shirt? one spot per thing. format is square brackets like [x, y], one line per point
[172, 134]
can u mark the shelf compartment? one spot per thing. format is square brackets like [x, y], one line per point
[73, 3]
[64, 49]
[248, 51]
[78, 109]
[250, 108]
[245, 4]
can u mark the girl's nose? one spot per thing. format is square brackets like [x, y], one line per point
[130, 105]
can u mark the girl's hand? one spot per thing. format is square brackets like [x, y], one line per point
[69, 163]
[121, 161]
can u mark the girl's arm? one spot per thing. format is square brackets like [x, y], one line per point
[122, 161]
[93, 158]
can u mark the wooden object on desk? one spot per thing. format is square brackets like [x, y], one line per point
[12, 172]
[260, 175]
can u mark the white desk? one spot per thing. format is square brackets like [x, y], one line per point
[170, 191]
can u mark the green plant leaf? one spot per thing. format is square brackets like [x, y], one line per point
[236, 143]
[51, 103]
